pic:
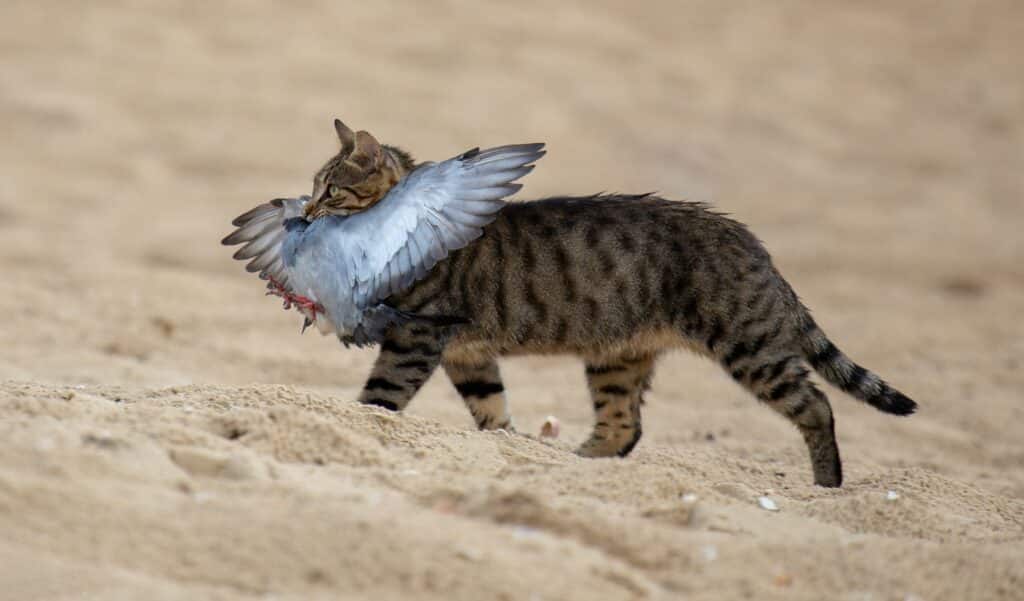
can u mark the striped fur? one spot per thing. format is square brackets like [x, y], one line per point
[849, 377]
[618, 280]
[481, 389]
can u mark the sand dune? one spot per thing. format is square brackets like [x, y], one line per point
[167, 434]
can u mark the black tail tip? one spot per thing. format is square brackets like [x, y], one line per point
[897, 403]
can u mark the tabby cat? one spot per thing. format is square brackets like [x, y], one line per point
[617, 280]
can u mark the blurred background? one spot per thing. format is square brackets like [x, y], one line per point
[876, 147]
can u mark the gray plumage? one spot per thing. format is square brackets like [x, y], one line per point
[349, 264]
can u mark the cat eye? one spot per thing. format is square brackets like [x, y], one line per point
[334, 190]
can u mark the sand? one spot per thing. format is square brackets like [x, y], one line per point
[166, 433]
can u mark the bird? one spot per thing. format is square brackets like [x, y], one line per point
[338, 264]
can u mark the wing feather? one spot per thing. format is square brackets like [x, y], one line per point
[435, 242]
[250, 231]
[437, 209]
[262, 210]
[501, 152]
[275, 270]
[485, 195]
[421, 237]
[504, 162]
[404, 265]
[369, 256]
[258, 245]
[460, 218]
[450, 236]
[393, 280]
[262, 232]
[503, 176]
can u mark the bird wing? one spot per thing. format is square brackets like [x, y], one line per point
[436, 209]
[262, 230]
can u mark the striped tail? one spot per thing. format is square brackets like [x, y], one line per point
[849, 377]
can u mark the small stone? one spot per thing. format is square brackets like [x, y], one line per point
[892, 495]
[767, 503]
[164, 325]
[783, 580]
[550, 428]
[709, 552]
[101, 439]
[468, 554]
[689, 499]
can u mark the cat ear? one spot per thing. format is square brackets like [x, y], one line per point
[367, 153]
[347, 137]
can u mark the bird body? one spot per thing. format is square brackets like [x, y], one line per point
[339, 269]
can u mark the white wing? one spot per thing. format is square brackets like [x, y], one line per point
[262, 229]
[438, 208]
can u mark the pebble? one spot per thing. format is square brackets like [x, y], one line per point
[709, 552]
[550, 428]
[468, 554]
[767, 503]
[783, 580]
[203, 497]
[892, 495]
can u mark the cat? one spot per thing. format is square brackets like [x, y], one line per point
[617, 280]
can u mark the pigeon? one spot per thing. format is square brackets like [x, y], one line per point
[339, 270]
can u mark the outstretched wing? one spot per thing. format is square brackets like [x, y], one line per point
[262, 230]
[438, 208]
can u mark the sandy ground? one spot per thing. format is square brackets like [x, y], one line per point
[165, 433]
